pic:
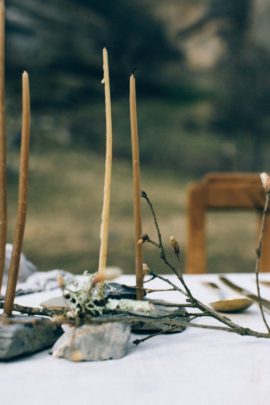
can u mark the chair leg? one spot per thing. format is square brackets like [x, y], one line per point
[196, 239]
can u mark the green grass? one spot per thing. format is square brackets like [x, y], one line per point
[65, 199]
[232, 241]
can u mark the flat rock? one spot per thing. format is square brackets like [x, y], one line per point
[119, 291]
[55, 303]
[24, 335]
[159, 315]
[93, 342]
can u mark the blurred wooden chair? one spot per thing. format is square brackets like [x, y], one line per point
[222, 191]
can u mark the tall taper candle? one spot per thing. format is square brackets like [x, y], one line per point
[3, 198]
[104, 229]
[136, 187]
[22, 198]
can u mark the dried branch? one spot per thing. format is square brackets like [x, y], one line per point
[248, 332]
[170, 304]
[232, 327]
[242, 331]
[170, 322]
[34, 311]
[166, 280]
[153, 290]
[159, 245]
[161, 332]
[258, 257]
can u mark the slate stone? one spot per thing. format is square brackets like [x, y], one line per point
[119, 291]
[24, 335]
[93, 342]
[55, 303]
[159, 314]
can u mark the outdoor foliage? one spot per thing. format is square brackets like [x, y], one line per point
[217, 113]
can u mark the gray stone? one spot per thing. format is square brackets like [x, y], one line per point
[93, 342]
[26, 268]
[119, 291]
[55, 303]
[159, 314]
[23, 335]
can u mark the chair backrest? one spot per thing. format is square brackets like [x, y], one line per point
[222, 191]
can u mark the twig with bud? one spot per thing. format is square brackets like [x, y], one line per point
[265, 179]
[195, 303]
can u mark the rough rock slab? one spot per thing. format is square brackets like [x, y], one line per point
[119, 291]
[24, 335]
[93, 342]
[159, 314]
[55, 303]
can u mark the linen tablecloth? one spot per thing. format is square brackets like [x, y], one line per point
[198, 366]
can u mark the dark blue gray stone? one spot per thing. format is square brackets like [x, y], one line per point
[24, 335]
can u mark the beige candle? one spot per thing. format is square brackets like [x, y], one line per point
[136, 188]
[104, 229]
[22, 198]
[3, 198]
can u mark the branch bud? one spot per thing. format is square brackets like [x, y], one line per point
[143, 238]
[143, 194]
[265, 179]
[175, 245]
[146, 269]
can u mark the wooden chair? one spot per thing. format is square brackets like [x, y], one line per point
[222, 191]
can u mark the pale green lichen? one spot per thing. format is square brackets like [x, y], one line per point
[84, 297]
[126, 305]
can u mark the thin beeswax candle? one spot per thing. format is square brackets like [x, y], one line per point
[136, 188]
[22, 198]
[104, 229]
[3, 197]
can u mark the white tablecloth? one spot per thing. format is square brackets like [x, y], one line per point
[196, 367]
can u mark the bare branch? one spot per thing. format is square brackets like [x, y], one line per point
[232, 327]
[258, 257]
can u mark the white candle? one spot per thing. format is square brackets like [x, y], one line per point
[22, 198]
[136, 188]
[104, 229]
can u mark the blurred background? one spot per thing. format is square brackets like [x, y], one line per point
[203, 87]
